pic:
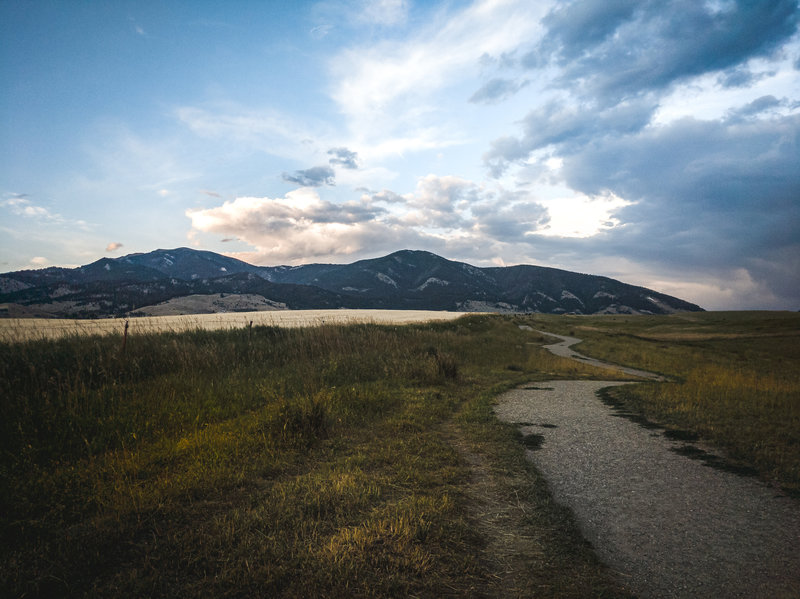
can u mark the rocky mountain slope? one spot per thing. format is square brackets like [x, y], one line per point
[406, 279]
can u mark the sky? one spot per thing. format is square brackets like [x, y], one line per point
[652, 141]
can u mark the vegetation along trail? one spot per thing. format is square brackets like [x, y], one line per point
[670, 525]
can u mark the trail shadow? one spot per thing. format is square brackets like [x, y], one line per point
[714, 461]
[690, 451]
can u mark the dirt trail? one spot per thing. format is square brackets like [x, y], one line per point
[564, 349]
[671, 526]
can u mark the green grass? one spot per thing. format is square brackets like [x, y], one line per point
[328, 461]
[736, 378]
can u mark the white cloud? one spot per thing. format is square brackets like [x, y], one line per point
[124, 159]
[23, 207]
[441, 212]
[245, 130]
[386, 90]
[296, 227]
[113, 246]
[383, 12]
[705, 99]
[579, 215]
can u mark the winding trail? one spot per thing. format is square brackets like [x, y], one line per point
[669, 525]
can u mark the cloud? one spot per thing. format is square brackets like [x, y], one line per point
[298, 227]
[705, 198]
[391, 92]
[442, 212]
[315, 176]
[138, 29]
[23, 207]
[320, 31]
[383, 12]
[497, 89]
[113, 246]
[19, 205]
[739, 76]
[615, 50]
[757, 107]
[241, 130]
[713, 195]
[567, 126]
[344, 158]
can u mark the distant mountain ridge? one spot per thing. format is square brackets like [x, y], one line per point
[407, 279]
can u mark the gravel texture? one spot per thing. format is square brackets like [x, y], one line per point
[669, 525]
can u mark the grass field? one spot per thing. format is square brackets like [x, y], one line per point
[343, 461]
[27, 329]
[327, 461]
[736, 378]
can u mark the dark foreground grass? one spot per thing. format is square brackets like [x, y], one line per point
[736, 379]
[320, 462]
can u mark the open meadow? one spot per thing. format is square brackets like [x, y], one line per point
[735, 379]
[331, 460]
[23, 329]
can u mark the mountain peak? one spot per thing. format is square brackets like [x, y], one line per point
[405, 279]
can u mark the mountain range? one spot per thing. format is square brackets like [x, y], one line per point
[407, 279]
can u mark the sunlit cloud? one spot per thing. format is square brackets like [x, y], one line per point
[24, 207]
[441, 212]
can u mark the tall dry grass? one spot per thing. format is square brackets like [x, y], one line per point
[736, 378]
[266, 461]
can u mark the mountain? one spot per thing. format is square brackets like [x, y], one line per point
[422, 280]
[188, 264]
[407, 279]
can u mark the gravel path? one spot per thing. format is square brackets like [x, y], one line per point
[671, 526]
[564, 349]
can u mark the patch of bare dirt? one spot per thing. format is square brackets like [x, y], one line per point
[532, 547]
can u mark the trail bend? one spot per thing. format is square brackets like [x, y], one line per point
[669, 526]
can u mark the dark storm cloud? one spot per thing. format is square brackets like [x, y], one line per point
[697, 163]
[716, 194]
[510, 221]
[344, 158]
[496, 90]
[576, 26]
[757, 106]
[313, 177]
[739, 76]
[567, 126]
[615, 50]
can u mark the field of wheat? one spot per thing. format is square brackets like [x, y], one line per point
[23, 329]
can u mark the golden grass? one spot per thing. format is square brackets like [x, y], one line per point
[26, 329]
[291, 462]
[736, 378]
